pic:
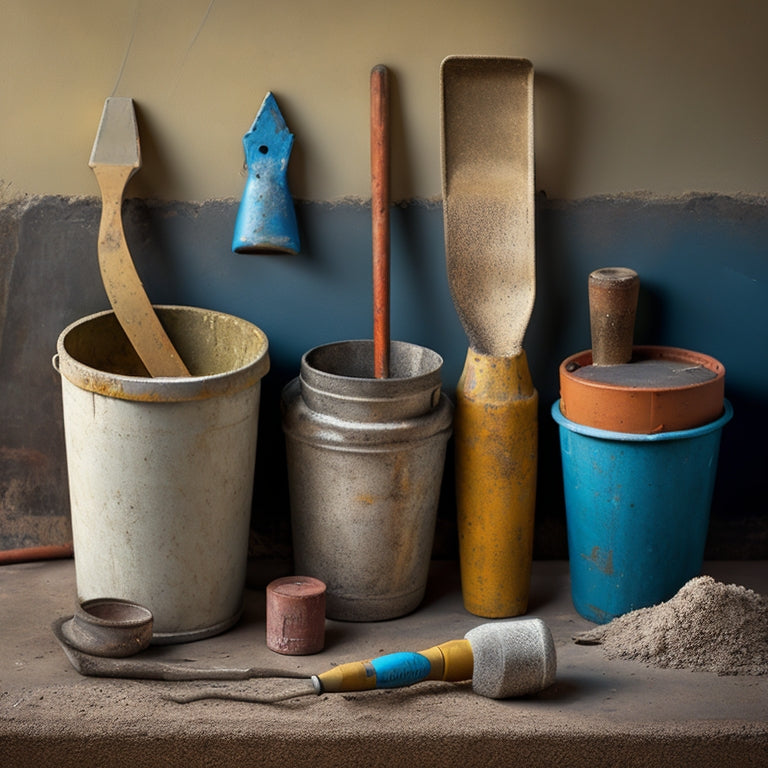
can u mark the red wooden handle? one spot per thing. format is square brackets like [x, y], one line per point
[380, 217]
[613, 293]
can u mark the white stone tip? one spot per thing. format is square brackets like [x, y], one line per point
[512, 658]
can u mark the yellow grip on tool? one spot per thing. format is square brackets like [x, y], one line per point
[451, 661]
[353, 676]
[496, 443]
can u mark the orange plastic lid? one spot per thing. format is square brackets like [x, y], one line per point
[662, 389]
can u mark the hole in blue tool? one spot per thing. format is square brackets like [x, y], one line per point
[263, 149]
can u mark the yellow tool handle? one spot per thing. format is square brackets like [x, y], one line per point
[496, 444]
[451, 661]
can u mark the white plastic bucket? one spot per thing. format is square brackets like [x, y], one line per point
[161, 469]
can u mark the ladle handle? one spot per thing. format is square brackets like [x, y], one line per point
[380, 217]
[613, 293]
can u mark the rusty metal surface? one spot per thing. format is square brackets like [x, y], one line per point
[380, 178]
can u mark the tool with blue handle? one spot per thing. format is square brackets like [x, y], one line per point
[266, 220]
[451, 661]
[503, 659]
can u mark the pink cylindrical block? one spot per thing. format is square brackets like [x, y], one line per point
[296, 615]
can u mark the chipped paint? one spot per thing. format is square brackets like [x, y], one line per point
[603, 561]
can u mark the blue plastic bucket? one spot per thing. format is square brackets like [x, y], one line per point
[637, 511]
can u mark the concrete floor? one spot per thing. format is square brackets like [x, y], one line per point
[598, 713]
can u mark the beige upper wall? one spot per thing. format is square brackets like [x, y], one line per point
[664, 96]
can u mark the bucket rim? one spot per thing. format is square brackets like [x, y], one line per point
[434, 374]
[604, 434]
[145, 388]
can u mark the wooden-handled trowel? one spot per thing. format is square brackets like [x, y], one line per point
[114, 159]
[488, 208]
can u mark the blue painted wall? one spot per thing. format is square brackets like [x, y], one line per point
[702, 260]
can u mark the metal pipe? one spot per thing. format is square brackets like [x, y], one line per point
[380, 216]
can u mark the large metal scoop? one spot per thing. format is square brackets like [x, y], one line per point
[488, 204]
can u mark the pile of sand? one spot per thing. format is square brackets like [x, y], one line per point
[707, 625]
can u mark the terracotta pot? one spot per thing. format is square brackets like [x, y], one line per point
[662, 389]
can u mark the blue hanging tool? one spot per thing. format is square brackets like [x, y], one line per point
[266, 219]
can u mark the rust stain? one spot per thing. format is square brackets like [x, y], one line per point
[602, 561]
[26, 456]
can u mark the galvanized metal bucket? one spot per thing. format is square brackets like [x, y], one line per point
[365, 464]
[161, 469]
